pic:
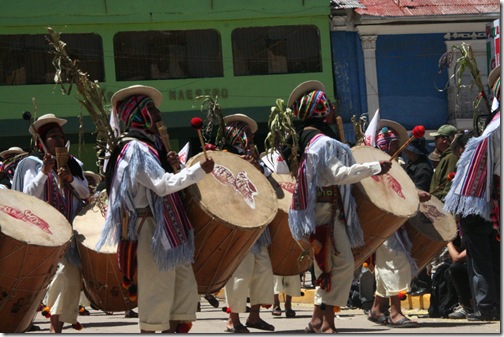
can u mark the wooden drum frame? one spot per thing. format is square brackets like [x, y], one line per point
[33, 238]
[229, 209]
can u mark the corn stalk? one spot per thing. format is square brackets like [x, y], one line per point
[465, 62]
[282, 133]
[212, 111]
[89, 94]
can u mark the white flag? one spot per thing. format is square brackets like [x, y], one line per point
[114, 124]
[370, 134]
[183, 154]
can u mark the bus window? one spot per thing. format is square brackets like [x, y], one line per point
[276, 50]
[26, 59]
[159, 55]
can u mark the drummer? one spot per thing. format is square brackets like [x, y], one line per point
[37, 175]
[394, 265]
[254, 275]
[143, 190]
[11, 158]
[326, 171]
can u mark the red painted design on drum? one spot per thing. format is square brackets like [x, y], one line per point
[26, 216]
[432, 213]
[289, 187]
[240, 184]
[392, 183]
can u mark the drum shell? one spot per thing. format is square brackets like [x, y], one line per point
[429, 231]
[225, 228]
[101, 276]
[27, 267]
[288, 257]
[384, 203]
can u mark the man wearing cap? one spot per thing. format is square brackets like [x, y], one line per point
[39, 176]
[323, 210]
[11, 158]
[447, 163]
[254, 275]
[144, 203]
[474, 196]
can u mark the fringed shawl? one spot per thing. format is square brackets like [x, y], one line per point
[471, 188]
[302, 209]
[173, 239]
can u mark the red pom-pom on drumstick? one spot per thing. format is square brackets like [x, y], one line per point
[450, 176]
[417, 132]
[197, 124]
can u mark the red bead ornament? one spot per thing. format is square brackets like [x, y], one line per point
[46, 312]
[228, 310]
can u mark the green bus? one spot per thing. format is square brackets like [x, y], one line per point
[246, 54]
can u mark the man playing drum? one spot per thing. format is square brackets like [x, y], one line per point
[66, 189]
[254, 275]
[322, 205]
[144, 203]
[394, 265]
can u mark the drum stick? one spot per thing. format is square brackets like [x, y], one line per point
[165, 138]
[197, 123]
[448, 178]
[61, 160]
[341, 131]
[417, 132]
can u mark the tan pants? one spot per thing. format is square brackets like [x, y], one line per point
[253, 276]
[341, 272]
[63, 294]
[392, 271]
[289, 285]
[163, 295]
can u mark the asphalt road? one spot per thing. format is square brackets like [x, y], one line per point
[213, 320]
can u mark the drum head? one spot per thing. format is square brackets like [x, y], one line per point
[393, 192]
[434, 222]
[31, 220]
[236, 192]
[283, 184]
[89, 224]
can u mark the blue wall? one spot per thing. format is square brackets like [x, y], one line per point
[408, 79]
[349, 80]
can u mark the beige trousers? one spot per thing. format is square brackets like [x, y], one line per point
[392, 271]
[163, 295]
[289, 285]
[253, 276]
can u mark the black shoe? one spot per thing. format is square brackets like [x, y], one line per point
[130, 314]
[484, 315]
[212, 300]
[419, 291]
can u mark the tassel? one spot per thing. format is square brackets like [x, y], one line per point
[402, 295]
[133, 292]
[46, 312]
[77, 326]
[183, 327]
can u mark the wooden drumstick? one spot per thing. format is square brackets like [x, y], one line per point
[417, 132]
[165, 138]
[197, 123]
[61, 161]
[339, 122]
[448, 178]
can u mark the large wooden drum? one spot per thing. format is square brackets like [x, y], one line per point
[288, 256]
[429, 231]
[384, 202]
[229, 209]
[33, 238]
[101, 276]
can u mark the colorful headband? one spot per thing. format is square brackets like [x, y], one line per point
[236, 134]
[134, 113]
[385, 137]
[311, 105]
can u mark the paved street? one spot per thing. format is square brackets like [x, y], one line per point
[213, 320]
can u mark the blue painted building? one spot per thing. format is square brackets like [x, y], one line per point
[385, 56]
